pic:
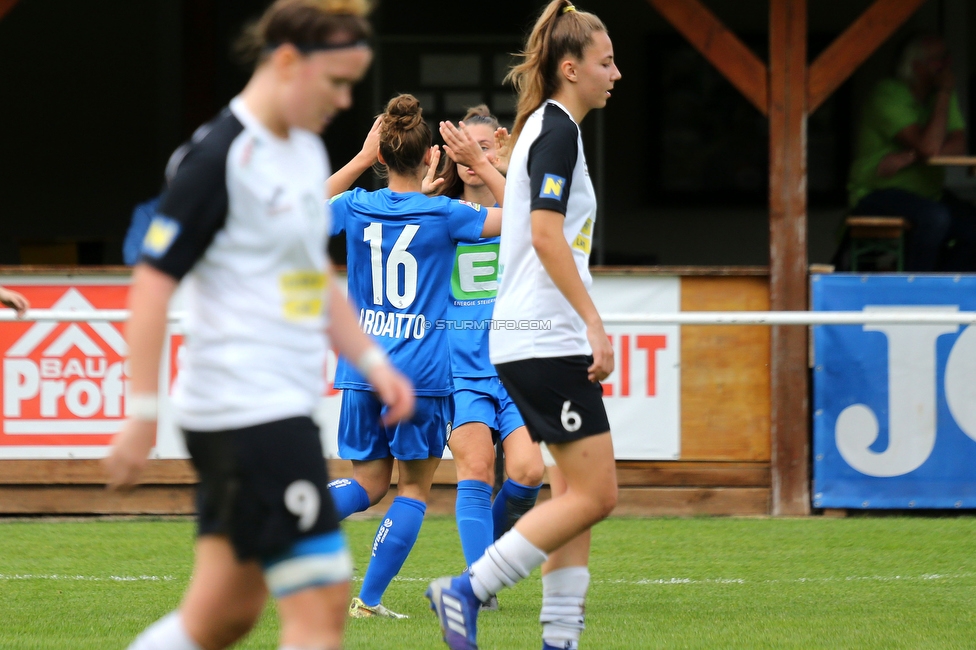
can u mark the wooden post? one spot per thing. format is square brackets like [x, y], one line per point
[788, 254]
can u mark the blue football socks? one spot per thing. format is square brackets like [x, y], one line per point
[474, 518]
[395, 537]
[511, 502]
[348, 496]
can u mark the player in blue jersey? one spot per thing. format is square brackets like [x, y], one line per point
[482, 406]
[400, 249]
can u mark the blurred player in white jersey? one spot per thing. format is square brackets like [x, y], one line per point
[242, 225]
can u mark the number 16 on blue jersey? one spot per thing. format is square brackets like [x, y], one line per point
[400, 255]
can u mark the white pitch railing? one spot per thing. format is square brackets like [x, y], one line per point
[66, 316]
[892, 317]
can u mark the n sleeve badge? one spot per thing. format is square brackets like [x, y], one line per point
[552, 187]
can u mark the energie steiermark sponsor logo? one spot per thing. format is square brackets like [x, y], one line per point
[475, 275]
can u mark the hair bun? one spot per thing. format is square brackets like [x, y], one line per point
[403, 113]
[404, 135]
[481, 110]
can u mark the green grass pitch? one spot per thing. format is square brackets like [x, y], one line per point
[883, 582]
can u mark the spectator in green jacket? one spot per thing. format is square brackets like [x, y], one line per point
[906, 121]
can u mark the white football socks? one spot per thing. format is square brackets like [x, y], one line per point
[167, 633]
[563, 605]
[504, 563]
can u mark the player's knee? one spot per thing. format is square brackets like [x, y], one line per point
[232, 623]
[604, 501]
[312, 562]
[240, 623]
[477, 469]
[375, 489]
[610, 499]
[525, 471]
[376, 493]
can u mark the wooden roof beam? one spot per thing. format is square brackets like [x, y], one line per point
[854, 46]
[6, 6]
[720, 47]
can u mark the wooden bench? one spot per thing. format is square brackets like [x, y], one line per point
[875, 236]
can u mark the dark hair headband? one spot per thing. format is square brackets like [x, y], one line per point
[310, 48]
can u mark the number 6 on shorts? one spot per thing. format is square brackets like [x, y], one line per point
[571, 419]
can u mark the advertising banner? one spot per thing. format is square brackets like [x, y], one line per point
[894, 405]
[64, 384]
[643, 395]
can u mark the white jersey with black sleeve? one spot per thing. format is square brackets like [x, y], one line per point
[244, 226]
[547, 171]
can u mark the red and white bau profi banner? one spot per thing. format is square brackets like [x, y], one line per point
[65, 384]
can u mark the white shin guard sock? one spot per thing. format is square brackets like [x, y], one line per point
[167, 633]
[563, 606]
[504, 563]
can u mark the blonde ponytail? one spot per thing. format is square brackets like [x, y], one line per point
[561, 30]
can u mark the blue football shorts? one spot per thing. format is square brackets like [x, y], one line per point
[362, 435]
[485, 400]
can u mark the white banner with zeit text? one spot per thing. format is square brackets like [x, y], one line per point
[643, 395]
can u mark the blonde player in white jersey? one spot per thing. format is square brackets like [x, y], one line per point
[548, 343]
[243, 226]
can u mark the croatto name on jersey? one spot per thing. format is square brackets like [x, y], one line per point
[393, 325]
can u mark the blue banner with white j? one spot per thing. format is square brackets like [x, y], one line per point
[894, 421]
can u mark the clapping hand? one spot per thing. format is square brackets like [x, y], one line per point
[503, 150]
[460, 146]
[431, 183]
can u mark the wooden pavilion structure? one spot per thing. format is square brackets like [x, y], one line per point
[787, 90]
